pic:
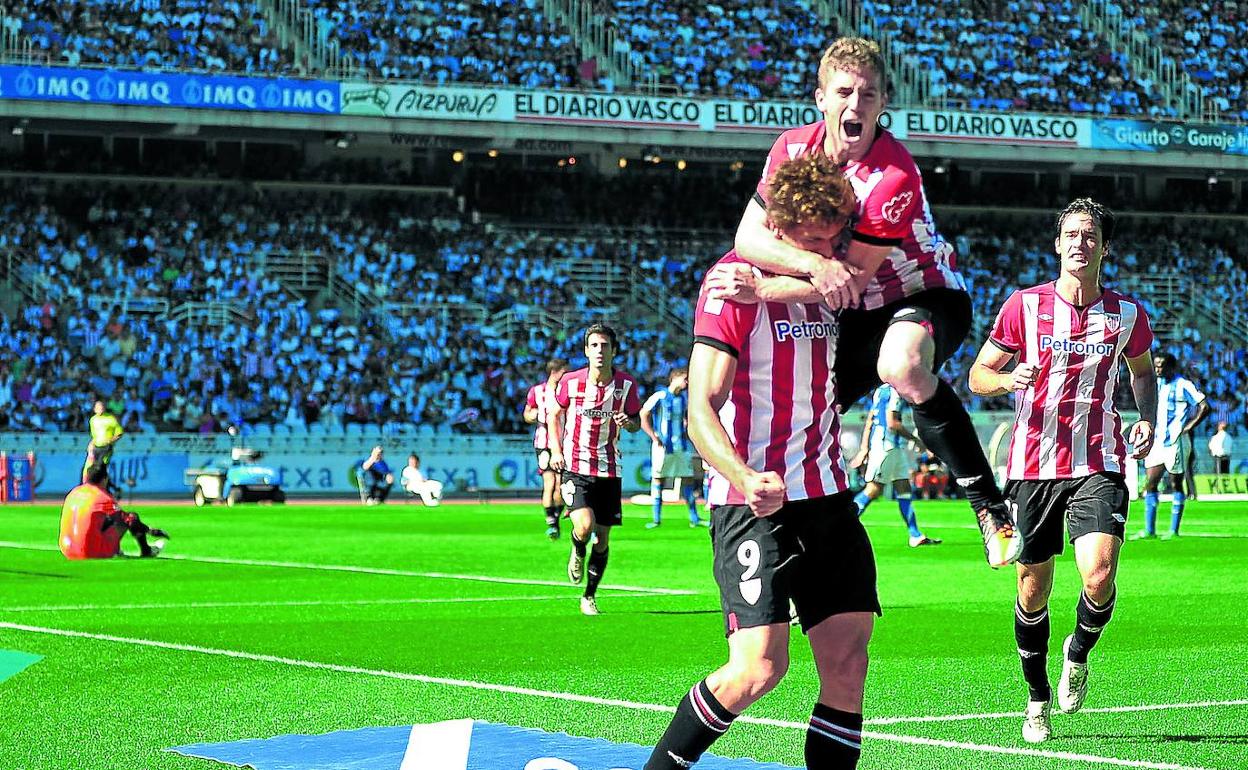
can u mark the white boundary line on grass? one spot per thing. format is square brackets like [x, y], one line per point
[378, 571]
[299, 603]
[574, 697]
[1019, 714]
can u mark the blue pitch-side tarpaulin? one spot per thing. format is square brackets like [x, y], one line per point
[460, 744]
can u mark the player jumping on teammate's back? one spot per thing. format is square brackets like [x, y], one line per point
[784, 525]
[537, 412]
[663, 418]
[1180, 408]
[905, 305]
[591, 406]
[886, 459]
[1067, 453]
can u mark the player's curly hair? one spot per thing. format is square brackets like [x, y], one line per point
[1100, 215]
[809, 190]
[852, 54]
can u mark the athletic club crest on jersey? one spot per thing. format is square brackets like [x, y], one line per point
[1113, 322]
[896, 207]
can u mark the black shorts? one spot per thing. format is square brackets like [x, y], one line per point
[815, 552]
[600, 494]
[945, 312]
[1096, 503]
[543, 460]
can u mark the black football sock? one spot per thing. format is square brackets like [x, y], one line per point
[1090, 621]
[552, 515]
[699, 721]
[597, 565]
[833, 739]
[945, 428]
[579, 545]
[1031, 632]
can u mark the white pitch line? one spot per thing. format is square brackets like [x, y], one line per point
[574, 697]
[297, 603]
[379, 571]
[1019, 714]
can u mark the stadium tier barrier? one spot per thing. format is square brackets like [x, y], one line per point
[154, 464]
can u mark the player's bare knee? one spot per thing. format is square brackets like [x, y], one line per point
[1098, 582]
[759, 676]
[911, 379]
[849, 669]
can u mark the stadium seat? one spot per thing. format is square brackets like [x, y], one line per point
[262, 430]
[281, 430]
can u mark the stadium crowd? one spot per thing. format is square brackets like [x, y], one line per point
[1015, 56]
[980, 55]
[729, 48]
[507, 42]
[214, 36]
[113, 265]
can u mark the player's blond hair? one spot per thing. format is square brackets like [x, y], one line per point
[809, 190]
[852, 54]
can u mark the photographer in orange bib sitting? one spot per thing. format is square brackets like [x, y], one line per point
[92, 523]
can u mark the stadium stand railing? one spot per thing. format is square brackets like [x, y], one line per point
[599, 39]
[1106, 18]
[912, 85]
[15, 47]
[309, 40]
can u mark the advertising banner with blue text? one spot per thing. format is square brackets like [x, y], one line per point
[1146, 136]
[169, 89]
[144, 474]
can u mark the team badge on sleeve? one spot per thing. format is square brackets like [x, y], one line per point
[895, 208]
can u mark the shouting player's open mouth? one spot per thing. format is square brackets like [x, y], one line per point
[852, 128]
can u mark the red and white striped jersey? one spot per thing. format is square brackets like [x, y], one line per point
[539, 398]
[781, 413]
[590, 434]
[1065, 425]
[892, 211]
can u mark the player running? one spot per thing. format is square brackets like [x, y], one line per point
[888, 460]
[1067, 454]
[1180, 408]
[537, 412]
[589, 409]
[664, 420]
[761, 388]
[105, 432]
[906, 306]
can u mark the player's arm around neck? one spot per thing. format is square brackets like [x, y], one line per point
[987, 379]
[757, 243]
[866, 258]
[711, 372]
[1144, 388]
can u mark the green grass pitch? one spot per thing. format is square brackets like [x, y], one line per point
[250, 635]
